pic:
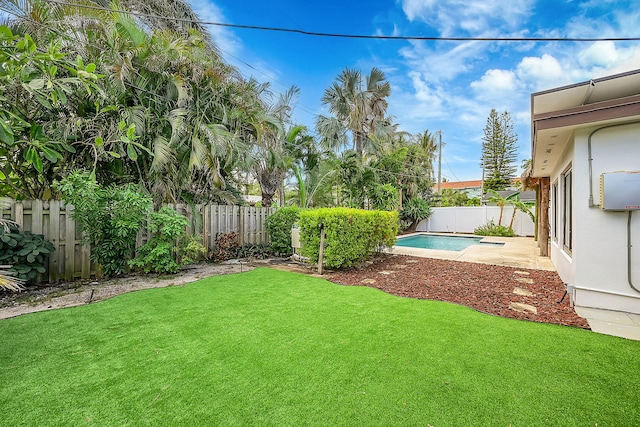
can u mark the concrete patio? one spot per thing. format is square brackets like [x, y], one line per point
[519, 252]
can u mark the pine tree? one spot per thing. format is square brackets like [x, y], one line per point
[499, 151]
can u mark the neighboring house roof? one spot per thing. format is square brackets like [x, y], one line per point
[557, 113]
[467, 185]
[459, 185]
[524, 196]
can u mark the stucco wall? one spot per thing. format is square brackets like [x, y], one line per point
[597, 266]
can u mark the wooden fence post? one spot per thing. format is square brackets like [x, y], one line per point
[321, 251]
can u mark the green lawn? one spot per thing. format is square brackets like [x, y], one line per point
[274, 348]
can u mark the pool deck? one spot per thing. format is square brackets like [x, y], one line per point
[519, 252]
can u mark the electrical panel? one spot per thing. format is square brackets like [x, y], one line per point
[620, 191]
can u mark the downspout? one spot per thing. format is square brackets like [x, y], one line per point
[629, 254]
[591, 205]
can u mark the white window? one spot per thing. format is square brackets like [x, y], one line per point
[554, 211]
[567, 217]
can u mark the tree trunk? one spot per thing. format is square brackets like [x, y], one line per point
[267, 199]
[358, 144]
[543, 223]
[513, 216]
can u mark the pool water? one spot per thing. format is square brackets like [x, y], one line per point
[445, 243]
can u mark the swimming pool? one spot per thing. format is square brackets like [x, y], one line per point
[444, 243]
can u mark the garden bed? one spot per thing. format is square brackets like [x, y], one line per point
[486, 288]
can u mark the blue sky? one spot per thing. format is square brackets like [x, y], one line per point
[447, 86]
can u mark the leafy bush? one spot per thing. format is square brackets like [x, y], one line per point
[24, 251]
[415, 210]
[159, 255]
[384, 197]
[492, 229]
[351, 235]
[190, 249]
[279, 225]
[227, 245]
[258, 251]
[109, 217]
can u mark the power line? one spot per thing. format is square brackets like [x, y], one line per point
[354, 36]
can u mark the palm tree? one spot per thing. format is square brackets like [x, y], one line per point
[519, 205]
[356, 109]
[499, 200]
[272, 148]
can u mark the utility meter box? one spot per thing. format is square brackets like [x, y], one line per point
[295, 238]
[620, 191]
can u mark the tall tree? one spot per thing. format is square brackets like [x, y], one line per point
[358, 109]
[499, 151]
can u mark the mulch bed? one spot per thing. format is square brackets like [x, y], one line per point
[486, 288]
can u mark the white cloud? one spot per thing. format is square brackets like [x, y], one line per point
[423, 92]
[472, 16]
[541, 72]
[496, 80]
[444, 62]
[601, 54]
[226, 40]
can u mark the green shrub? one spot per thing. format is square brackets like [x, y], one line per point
[190, 249]
[109, 217]
[492, 229]
[160, 255]
[24, 251]
[413, 211]
[351, 235]
[257, 250]
[279, 225]
[384, 197]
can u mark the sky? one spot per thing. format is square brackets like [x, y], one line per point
[447, 86]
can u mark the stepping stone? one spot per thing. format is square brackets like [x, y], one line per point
[386, 272]
[400, 266]
[524, 280]
[411, 261]
[522, 273]
[523, 308]
[368, 281]
[522, 291]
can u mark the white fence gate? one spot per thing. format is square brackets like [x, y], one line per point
[465, 219]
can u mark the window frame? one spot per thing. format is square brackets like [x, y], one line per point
[567, 209]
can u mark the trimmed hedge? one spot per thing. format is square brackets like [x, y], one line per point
[279, 225]
[351, 235]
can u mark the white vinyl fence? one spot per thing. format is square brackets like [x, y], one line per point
[465, 219]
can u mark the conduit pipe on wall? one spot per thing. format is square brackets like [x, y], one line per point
[629, 254]
[591, 205]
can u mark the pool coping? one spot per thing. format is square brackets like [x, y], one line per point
[519, 252]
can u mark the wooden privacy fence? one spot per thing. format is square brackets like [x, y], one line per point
[71, 258]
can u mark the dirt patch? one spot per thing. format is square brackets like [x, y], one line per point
[486, 288]
[80, 293]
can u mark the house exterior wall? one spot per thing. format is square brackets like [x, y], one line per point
[596, 267]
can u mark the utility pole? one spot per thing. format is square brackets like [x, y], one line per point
[440, 162]
[482, 185]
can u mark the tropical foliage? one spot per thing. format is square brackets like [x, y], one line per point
[109, 217]
[114, 111]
